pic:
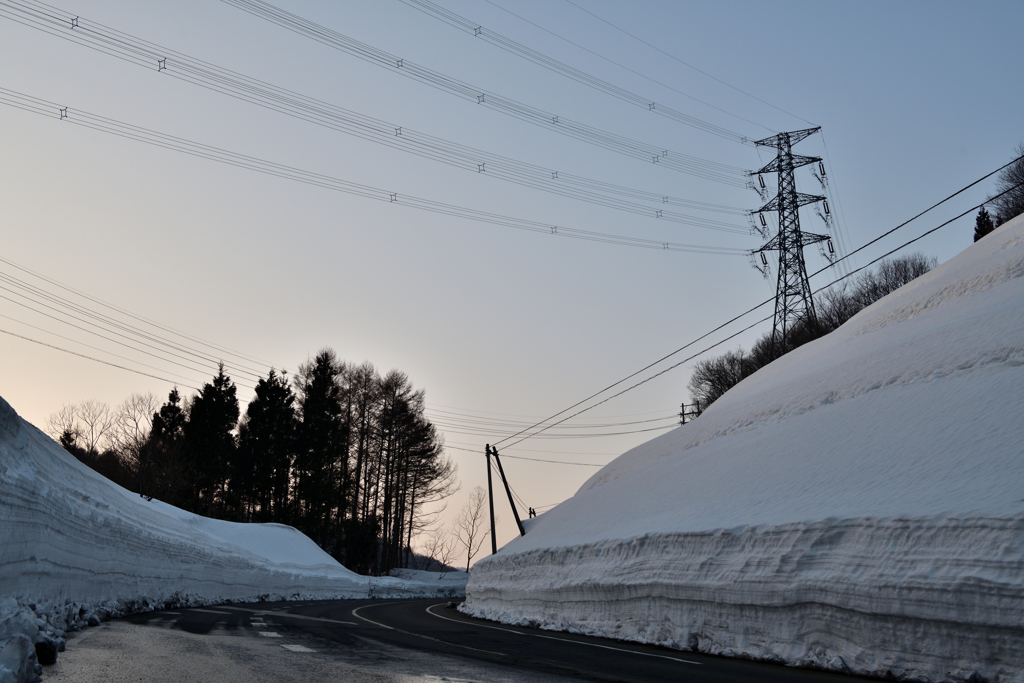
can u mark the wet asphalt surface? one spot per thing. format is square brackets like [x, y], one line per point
[377, 640]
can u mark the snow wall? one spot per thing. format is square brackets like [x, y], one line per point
[858, 505]
[76, 549]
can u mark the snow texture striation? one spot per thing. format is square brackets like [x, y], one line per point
[857, 505]
[76, 549]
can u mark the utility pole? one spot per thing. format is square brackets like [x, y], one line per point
[689, 411]
[508, 491]
[490, 499]
[793, 300]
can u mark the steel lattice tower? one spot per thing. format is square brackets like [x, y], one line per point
[793, 301]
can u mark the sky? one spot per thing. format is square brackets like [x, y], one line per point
[501, 327]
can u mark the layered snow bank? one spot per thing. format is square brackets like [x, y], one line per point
[857, 505]
[76, 549]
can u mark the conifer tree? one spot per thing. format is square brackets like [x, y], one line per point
[266, 450]
[167, 449]
[210, 441]
[982, 224]
[321, 460]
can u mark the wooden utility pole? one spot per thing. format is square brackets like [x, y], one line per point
[508, 491]
[490, 499]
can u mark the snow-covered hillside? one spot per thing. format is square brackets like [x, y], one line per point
[76, 548]
[856, 505]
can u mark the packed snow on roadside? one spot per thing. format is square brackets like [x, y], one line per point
[76, 549]
[857, 505]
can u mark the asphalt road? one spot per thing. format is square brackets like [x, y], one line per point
[400, 640]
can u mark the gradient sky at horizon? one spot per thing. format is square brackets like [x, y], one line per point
[916, 100]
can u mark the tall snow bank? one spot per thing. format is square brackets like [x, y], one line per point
[856, 505]
[76, 549]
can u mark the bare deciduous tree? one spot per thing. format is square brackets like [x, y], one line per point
[63, 425]
[714, 376]
[133, 420]
[129, 437]
[439, 548]
[471, 525]
[96, 421]
[1011, 181]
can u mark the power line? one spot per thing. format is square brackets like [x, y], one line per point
[529, 54]
[98, 360]
[105, 323]
[456, 410]
[747, 312]
[533, 450]
[472, 422]
[465, 91]
[148, 136]
[222, 351]
[623, 66]
[686, 64]
[561, 437]
[92, 332]
[88, 346]
[197, 72]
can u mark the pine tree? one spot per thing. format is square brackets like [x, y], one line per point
[210, 442]
[166, 446]
[266, 450]
[321, 460]
[983, 224]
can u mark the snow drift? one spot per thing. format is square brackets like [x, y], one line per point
[76, 549]
[857, 505]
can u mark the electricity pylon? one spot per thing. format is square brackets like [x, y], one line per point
[793, 300]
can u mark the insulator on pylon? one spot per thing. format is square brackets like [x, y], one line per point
[763, 221]
[827, 212]
[763, 259]
[760, 179]
[831, 249]
[821, 167]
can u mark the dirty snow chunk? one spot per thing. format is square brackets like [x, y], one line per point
[18, 661]
[854, 506]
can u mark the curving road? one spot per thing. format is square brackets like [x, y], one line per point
[429, 639]
[378, 640]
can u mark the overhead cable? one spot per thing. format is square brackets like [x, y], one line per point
[474, 29]
[660, 155]
[543, 426]
[82, 118]
[324, 114]
[87, 316]
[623, 66]
[687, 64]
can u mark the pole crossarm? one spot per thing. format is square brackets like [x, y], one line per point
[773, 165]
[801, 200]
[806, 239]
[788, 139]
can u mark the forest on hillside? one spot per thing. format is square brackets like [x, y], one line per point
[337, 450]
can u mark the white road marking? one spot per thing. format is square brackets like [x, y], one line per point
[297, 648]
[269, 634]
[417, 635]
[564, 640]
[258, 624]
